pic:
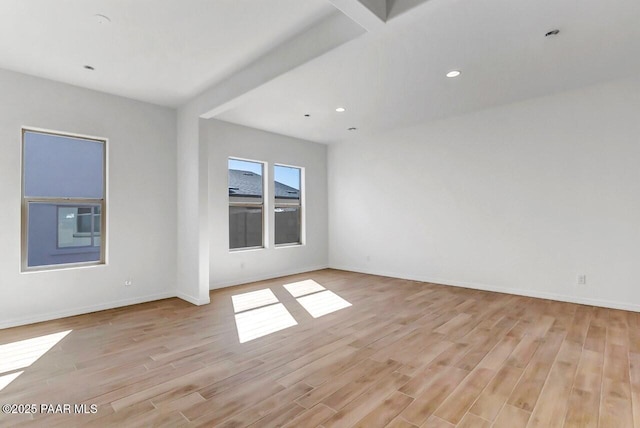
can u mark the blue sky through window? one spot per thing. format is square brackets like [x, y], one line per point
[241, 165]
[283, 174]
[287, 175]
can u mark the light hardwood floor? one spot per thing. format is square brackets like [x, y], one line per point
[405, 354]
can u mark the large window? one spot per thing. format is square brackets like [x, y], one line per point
[246, 204]
[63, 200]
[288, 206]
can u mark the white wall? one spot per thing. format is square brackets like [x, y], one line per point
[141, 206]
[192, 263]
[227, 140]
[519, 198]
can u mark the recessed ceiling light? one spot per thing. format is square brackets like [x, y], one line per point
[454, 73]
[552, 33]
[102, 19]
[88, 67]
[351, 129]
[340, 109]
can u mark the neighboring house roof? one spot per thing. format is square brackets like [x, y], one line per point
[249, 185]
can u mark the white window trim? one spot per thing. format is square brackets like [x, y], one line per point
[64, 201]
[263, 204]
[302, 206]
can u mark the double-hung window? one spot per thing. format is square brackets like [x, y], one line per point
[288, 204]
[63, 200]
[246, 204]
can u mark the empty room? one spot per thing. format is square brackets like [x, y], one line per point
[320, 213]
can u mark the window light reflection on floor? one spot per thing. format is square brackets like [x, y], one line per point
[23, 353]
[260, 322]
[322, 303]
[316, 299]
[7, 379]
[253, 299]
[302, 288]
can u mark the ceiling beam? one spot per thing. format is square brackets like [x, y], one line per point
[369, 14]
[329, 33]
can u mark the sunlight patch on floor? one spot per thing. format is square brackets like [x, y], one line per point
[302, 288]
[7, 379]
[323, 303]
[253, 299]
[23, 353]
[259, 313]
[263, 321]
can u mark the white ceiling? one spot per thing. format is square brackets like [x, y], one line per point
[167, 51]
[159, 51]
[395, 76]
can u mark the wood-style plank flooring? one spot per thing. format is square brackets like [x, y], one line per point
[405, 354]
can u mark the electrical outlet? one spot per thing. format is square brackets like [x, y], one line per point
[128, 282]
[581, 279]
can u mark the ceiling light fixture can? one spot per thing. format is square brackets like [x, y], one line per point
[454, 73]
[341, 109]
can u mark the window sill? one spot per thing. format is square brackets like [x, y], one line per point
[54, 268]
[245, 250]
[297, 244]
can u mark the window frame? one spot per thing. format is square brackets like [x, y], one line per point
[299, 204]
[26, 200]
[247, 204]
[92, 234]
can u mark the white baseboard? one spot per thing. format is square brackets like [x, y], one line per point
[262, 277]
[83, 310]
[477, 286]
[507, 290]
[31, 319]
[193, 300]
